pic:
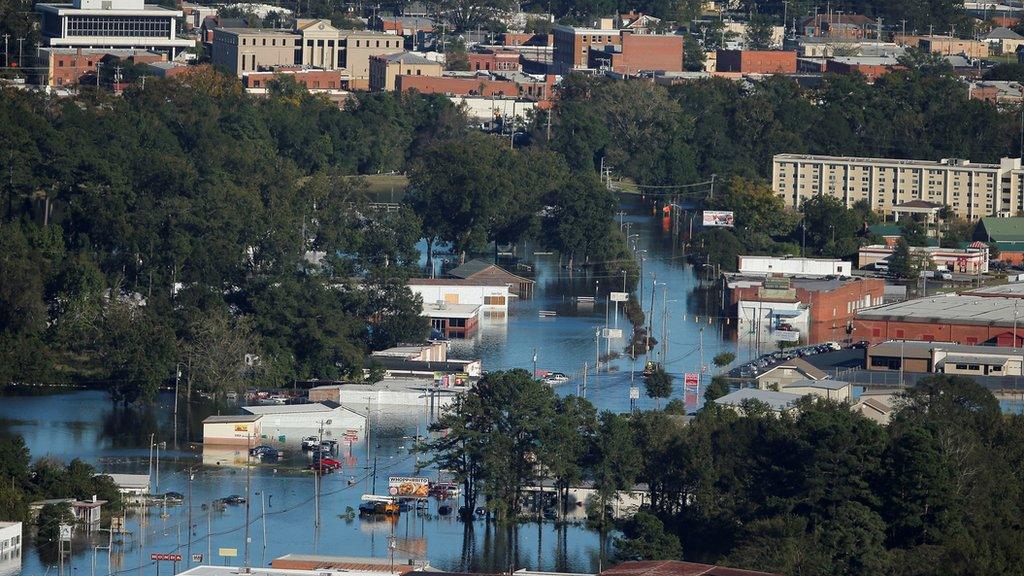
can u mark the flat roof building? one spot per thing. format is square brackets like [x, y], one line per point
[968, 318]
[385, 68]
[111, 24]
[232, 430]
[972, 190]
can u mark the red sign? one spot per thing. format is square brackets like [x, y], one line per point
[165, 557]
[691, 380]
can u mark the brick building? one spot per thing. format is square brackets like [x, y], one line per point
[983, 316]
[756, 61]
[495, 59]
[572, 44]
[640, 52]
[871, 67]
[487, 85]
[312, 79]
[525, 39]
[809, 310]
[69, 66]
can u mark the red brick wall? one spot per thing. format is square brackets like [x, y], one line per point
[879, 330]
[500, 61]
[832, 312]
[518, 39]
[467, 86]
[871, 72]
[649, 52]
[756, 61]
[312, 80]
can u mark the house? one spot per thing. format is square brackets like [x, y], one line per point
[452, 320]
[777, 402]
[86, 512]
[789, 372]
[233, 430]
[877, 404]
[483, 270]
[1007, 234]
[826, 388]
[1003, 40]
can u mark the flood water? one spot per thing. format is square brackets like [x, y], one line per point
[283, 500]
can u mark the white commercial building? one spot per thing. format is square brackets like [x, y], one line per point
[419, 392]
[490, 296]
[233, 430]
[792, 266]
[281, 422]
[111, 24]
[763, 324]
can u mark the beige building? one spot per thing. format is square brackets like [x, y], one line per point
[950, 46]
[312, 43]
[789, 372]
[385, 68]
[971, 190]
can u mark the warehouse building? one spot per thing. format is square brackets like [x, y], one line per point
[984, 316]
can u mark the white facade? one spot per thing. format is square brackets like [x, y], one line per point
[794, 266]
[241, 430]
[111, 24]
[130, 484]
[765, 323]
[486, 109]
[399, 392]
[491, 298]
[10, 542]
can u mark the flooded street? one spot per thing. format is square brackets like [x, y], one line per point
[283, 502]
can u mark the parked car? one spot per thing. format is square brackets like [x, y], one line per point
[310, 442]
[234, 499]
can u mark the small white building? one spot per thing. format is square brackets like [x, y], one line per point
[768, 322]
[232, 430]
[10, 543]
[789, 266]
[402, 392]
[131, 486]
[489, 296]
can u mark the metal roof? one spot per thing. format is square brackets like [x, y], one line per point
[288, 408]
[778, 401]
[1003, 229]
[824, 384]
[950, 308]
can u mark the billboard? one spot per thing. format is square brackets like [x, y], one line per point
[408, 486]
[718, 218]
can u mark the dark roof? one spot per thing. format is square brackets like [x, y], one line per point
[233, 418]
[478, 266]
[407, 58]
[675, 568]
[918, 204]
[1002, 33]
[801, 365]
[469, 268]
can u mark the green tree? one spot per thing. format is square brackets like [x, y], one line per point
[613, 461]
[644, 538]
[758, 35]
[901, 261]
[723, 359]
[658, 383]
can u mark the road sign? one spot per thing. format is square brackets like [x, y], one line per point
[691, 380]
[65, 532]
[165, 557]
[619, 296]
[611, 333]
[228, 552]
[634, 393]
[197, 558]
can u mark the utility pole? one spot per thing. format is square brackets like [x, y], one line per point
[904, 22]
[191, 476]
[712, 194]
[177, 377]
[650, 317]
[248, 496]
[21, 63]
[7, 58]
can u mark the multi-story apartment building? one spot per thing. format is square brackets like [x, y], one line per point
[313, 43]
[972, 190]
